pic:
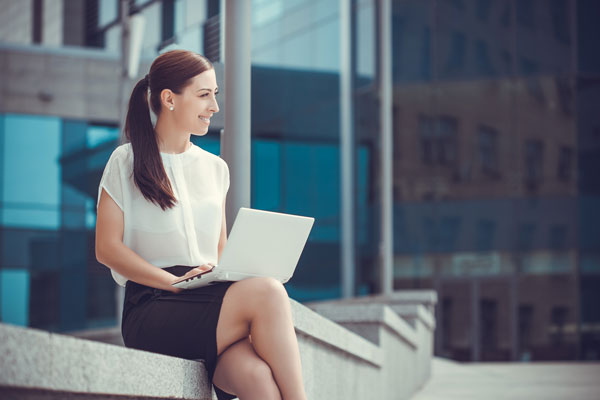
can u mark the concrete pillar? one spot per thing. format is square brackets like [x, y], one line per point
[123, 101]
[475, 321]
[386, 245]
[235, 149]
[347, 150]
[514, 315]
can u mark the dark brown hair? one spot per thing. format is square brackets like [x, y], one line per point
[171, 70]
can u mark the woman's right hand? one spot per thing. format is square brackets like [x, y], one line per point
[189, 274]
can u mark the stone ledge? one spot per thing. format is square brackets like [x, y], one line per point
[306, 322]
[408, 304]
[337, 363]
[415, 311]
[52, 365]
[327, 331]
[40, 360]
[367, 314]
[425, 297]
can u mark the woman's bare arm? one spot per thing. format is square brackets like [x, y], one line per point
[111, 251]
[223, 238]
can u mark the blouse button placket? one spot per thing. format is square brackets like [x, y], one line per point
[188, 217]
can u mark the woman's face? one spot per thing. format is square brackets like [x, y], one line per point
[194, 107]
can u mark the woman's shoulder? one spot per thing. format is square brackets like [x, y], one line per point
[212, 158]
[122, 153]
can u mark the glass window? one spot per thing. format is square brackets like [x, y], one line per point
[14, 296]
[31, 175]
[488, 150]
[488, 314]
[447, 317]
[366, 52]
[266, 11]
[447, 143]
[459, 4]
[558, 237]
[505, 15]
[558, 320]
[484, 235]
[525, 331]
[266, 175]
[108, 12]
[319, 165]
[525, 13]
[483, 9]
[449, 233]
[482, 57]
[534, 153]
[97, 135]
[565, 163]
[560, 20]
[411, 41]
[427, 138]
[525, 236]
[457, 53]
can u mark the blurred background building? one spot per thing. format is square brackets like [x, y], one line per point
[496, 183]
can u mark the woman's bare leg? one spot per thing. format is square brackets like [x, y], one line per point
[240, 371]
[261, 307]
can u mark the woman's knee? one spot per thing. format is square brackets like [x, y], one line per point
[258, 381]
[246, 374]
[268, 290]
[252, 297]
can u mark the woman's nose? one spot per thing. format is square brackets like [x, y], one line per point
[214, 106]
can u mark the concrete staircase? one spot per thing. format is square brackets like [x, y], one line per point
[377, 348]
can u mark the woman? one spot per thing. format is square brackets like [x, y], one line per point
[161, 215]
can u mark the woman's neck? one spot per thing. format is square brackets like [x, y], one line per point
[171, 142]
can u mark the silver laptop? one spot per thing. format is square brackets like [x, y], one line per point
[261, 243]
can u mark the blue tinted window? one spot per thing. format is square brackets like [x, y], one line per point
[457, 53]
[482, 58]
[98, 135]
[266, 179]
[309, 171]
[14, 296]
[525, 13]
[485, 232]
[483, 9]
[31, 175]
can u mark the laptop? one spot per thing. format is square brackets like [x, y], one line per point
[261, 243]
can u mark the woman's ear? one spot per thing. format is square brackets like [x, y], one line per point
[166, 98]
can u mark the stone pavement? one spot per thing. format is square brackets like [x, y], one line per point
[502, 381]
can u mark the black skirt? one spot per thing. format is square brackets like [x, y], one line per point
[180, 324]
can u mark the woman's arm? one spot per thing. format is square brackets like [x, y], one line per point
[223, 238]
[111, 251]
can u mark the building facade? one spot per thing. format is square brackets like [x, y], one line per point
[496, 152]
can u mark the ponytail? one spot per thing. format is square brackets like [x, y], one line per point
[148, 170]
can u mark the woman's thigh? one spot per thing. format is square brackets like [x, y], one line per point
[240, 303]
[242, 372]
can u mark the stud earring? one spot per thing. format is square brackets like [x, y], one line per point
[171, 108]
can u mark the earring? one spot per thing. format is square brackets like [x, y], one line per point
[171, 108]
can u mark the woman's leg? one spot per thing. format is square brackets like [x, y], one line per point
[261, 307]
[242, 372]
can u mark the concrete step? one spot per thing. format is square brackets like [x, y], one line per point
[336, 362]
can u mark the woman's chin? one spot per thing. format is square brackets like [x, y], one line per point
[197, 133]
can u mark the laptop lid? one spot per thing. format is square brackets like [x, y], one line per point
[265, 243]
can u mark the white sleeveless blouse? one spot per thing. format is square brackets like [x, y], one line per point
[187, 234]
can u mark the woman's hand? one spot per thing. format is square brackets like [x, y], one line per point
[192, 272]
